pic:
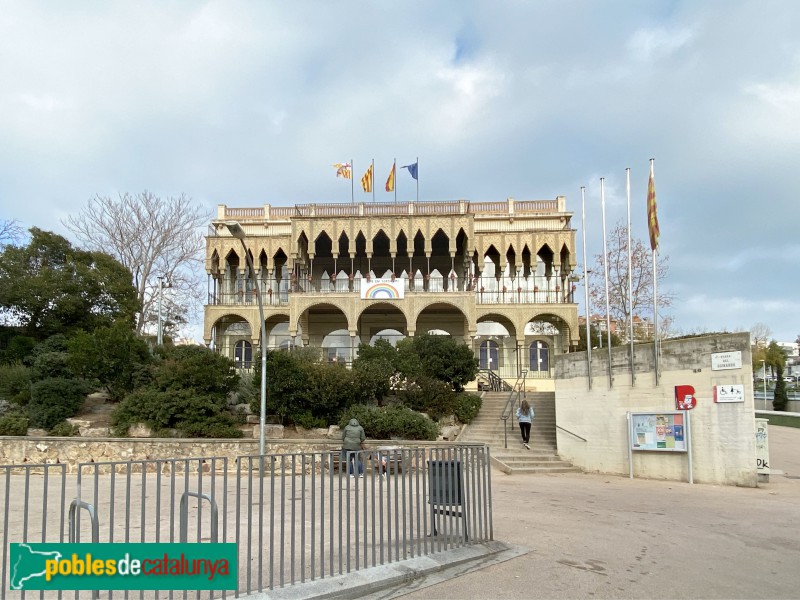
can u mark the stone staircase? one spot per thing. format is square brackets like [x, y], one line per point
[487, 428]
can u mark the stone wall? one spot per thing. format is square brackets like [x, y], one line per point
[75, 450]
[723, 435]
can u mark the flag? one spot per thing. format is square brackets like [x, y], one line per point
[343, 170]
[390, 180]
[366, 180]
[652, 216]
[412, 169]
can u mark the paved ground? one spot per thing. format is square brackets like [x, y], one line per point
[595, 536]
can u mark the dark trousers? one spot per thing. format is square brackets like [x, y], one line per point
[525, 430]
[353, 457]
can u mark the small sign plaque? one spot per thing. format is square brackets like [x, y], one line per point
[728, 393]
[726, 360]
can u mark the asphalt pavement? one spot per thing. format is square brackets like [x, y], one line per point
[601, 536]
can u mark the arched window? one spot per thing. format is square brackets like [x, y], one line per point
[489, 355]
[243, 354]
[539, 357]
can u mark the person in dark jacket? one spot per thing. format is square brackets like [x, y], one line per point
[353, 437]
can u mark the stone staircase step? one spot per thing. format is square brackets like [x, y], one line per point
[488, 428]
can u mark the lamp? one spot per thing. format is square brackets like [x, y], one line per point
[237, 231]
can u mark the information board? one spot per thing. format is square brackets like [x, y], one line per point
[659, 432]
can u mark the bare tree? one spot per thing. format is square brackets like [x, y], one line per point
[641, 279]
[760, 334]
[10, 232]
[153, 237]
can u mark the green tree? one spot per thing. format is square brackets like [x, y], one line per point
[113, 357]
[49, 287]
[599, 338]
[304, 391]
[438, 356]
[779, 399]
[374, 366]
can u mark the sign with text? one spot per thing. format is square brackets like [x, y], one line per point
[123, 566]
[728, 393]
[726, 360]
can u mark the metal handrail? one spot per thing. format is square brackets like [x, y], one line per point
[496, 383]
[572, 434]
[513, 399]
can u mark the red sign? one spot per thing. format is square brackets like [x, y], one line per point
[684, 397]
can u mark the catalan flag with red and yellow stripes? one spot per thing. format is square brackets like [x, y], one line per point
[366, 180]
[652, 216]
[390, 180]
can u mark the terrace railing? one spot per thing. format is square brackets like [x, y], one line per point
[486, 290]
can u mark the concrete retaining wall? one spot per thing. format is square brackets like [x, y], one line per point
[723, 435]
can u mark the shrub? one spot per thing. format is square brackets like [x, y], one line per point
[302, 390]
[14, 423]
[391, 422]
[194, 413]
[467, 407]
[64, 429]
[55, 399]
[431, 396]
[219, 426]
[15, 384]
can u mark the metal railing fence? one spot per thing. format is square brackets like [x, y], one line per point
[295, 517]
[487, 290]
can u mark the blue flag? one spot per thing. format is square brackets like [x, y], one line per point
[412, 169]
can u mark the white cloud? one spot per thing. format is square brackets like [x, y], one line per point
[655, 43]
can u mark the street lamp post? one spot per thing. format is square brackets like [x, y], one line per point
[764, 373]
[236, 231]
[161, 286]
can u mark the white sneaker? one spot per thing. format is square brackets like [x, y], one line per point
[526, 446]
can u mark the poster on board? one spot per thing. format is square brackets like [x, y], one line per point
[661, 432]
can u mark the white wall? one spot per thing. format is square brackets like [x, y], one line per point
[723, 435]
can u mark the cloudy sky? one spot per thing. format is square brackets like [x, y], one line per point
[246, 103]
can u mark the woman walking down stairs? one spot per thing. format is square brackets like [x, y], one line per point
[542, 454]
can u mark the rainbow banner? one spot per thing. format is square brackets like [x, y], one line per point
[383, 289]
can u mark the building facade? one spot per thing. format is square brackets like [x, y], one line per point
[496, 274]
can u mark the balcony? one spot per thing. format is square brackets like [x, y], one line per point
[487, 290]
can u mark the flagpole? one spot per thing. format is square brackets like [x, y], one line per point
[655, 278]
[630, 276]
[352, 182]
[394, 178]
[417, 179]
[586, 290]
[372, 177]
[605, 269]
